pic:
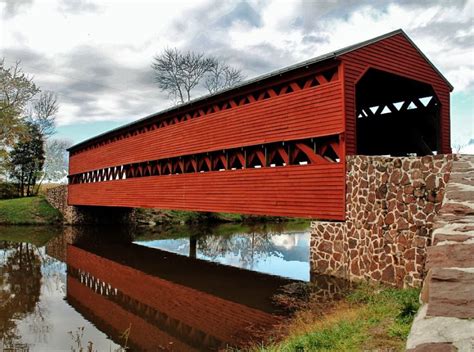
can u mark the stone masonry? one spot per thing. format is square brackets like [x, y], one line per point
[445, 321]
[391, 203]
[87, 215]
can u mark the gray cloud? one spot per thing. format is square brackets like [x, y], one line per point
[13, 7]
[88, 77]
[84, 76]
[30, 59]
[216, 16]
[95, 75]
[308, 14]
[76, 7]
[242, 12]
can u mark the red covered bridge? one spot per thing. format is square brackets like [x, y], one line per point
[274, 145]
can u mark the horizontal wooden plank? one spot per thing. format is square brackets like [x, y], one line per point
[313, 191]
[307, 113]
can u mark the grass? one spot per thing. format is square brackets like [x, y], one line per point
[368, 319]
[28, 211]
[164, 216]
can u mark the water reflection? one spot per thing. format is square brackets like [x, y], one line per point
[20, 283]
[33, 313]
[270, 248]
[126, 291]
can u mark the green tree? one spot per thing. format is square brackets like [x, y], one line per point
[27, 160]
[20, 285]
[17, 89]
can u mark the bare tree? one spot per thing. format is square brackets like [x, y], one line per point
[222, 76]
[56, 160]
[44, 113]
[178, 73]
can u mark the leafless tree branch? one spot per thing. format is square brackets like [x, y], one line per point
[179, 73]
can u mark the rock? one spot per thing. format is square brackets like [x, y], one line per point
[455, 238]
[450, 255]
[388, 274]
[434, 347]
[325, 246]
[451, 293]
[457, 209]
[431, 182]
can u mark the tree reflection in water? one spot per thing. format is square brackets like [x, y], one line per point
[20, 287]
[243, 247]
[247, 244]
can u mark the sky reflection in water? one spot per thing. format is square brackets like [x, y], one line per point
[283, 254]
[43, 295]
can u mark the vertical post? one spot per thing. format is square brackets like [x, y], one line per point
[192, 246]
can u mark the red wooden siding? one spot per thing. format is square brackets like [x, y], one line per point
[311, 112]
[314, 102]
[396, 55]
[202, 319]
[292, 190]
[302, 191]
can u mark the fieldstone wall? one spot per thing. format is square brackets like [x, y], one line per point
[87, 215]
[391, 204]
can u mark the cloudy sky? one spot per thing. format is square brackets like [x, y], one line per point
[96, 54]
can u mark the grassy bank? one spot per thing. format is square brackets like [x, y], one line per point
[36, 235]
[28, 211]
[161, 216]
[368, 319]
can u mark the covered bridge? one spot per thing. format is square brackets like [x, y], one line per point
[274, 145]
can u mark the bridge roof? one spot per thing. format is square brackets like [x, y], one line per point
[300, 65]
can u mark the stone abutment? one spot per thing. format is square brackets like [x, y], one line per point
[391, 204]
[87, 215]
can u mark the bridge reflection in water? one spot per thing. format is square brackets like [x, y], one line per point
[169, 301]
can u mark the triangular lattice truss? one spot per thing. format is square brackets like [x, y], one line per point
[311, 151]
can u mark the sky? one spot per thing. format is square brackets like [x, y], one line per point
[97, 55]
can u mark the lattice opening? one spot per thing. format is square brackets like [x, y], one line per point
[203, 167]
[330, 74]
[235, 163]
[188, 166]
[218, 163]
[275, 159]
[166, 168]
[253, 161]
[299, 157]
[330, 155]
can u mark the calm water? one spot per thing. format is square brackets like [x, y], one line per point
[170, 289]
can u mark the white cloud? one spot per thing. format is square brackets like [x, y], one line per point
[110, 79]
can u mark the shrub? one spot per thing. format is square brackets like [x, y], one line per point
[8, 190]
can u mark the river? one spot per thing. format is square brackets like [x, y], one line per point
[181, 288]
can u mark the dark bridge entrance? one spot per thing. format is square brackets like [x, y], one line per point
[275, 145]
[396, 115]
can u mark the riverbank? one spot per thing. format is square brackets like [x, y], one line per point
[369, 318]
[37, 211]
[28, 211]
[152, 217]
